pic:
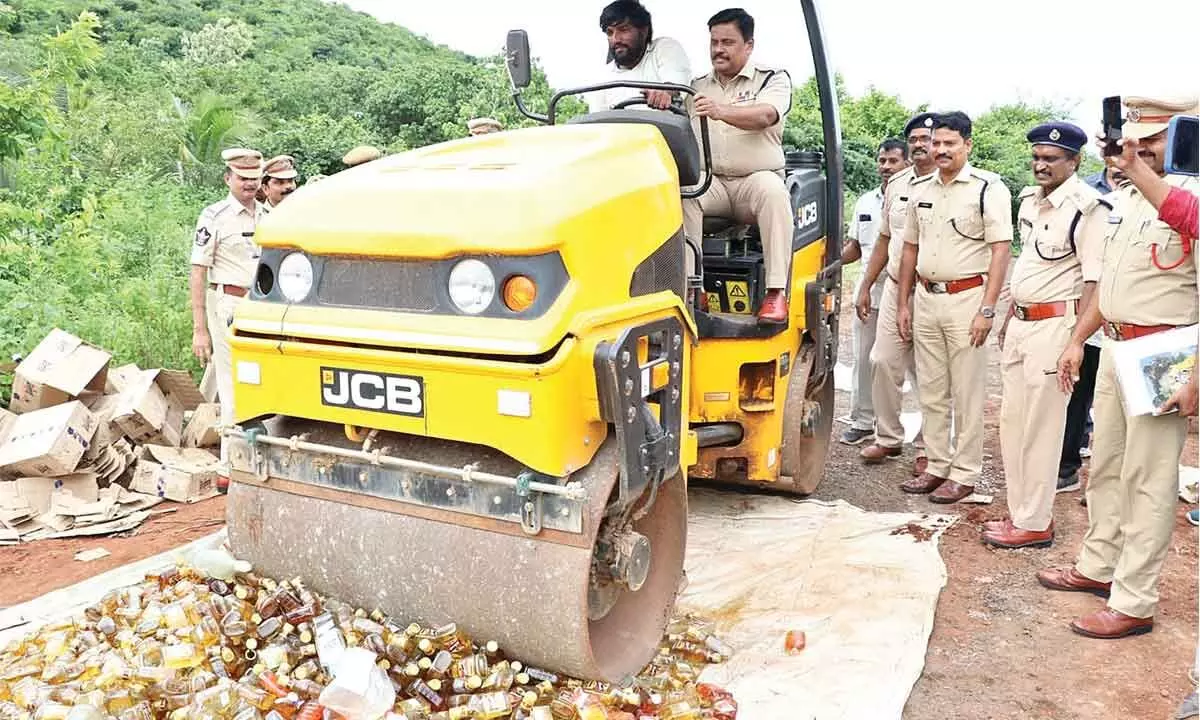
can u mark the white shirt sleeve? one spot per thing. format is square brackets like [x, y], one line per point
[671, 61]
[852, 231]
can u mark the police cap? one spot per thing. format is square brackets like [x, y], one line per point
[921, 120]
[1059, 134]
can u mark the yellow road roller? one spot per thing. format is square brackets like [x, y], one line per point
[470, 385]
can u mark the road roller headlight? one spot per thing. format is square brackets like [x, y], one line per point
[295, 277]
[472, 286]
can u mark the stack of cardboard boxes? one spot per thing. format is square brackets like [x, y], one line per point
[84, 446]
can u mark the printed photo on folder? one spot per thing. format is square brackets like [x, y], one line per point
[1151, 368]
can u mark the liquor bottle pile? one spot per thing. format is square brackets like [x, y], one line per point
[183, 645]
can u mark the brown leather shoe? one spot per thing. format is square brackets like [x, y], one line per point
[774, 307]
[920, 465]
[876, 453]
[1069, 579]
[951, 492]
[1109, 624]
[926, 483]
[1014, 537]
[992, 525]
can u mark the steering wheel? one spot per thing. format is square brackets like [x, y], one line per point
[642, 101]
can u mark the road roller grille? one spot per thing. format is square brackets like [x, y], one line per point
[532, 501]
[544, 415]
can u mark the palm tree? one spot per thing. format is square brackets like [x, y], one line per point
[208, 126]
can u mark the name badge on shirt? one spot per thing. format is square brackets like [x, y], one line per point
[925, 205]
[864, 218]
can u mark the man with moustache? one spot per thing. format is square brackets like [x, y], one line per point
[1061, 222]
[224, 258]
[892, 355]
[890, 158]
[746, 105]
[1148, 284]
[957, 240]
[634, 54]
[279, 180]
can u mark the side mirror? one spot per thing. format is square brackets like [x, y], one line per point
[516, 52]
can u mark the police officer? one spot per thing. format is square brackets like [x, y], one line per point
[863, 232]
[1061, 222]
[361, 154]
[892, 355]
[224, 257]
[1147, 285]
[746, 105]
[483, 126]
[279, 180]
[957, 238]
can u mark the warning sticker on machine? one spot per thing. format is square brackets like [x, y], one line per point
[377, 392]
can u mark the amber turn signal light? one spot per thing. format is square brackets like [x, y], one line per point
[519, 293]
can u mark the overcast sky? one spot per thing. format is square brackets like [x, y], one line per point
[965, 55]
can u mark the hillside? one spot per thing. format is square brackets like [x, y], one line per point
[113, 114]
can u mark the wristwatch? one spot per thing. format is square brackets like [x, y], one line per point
[988, 311]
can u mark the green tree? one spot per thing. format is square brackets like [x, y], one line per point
[224, 42]
[206, 128]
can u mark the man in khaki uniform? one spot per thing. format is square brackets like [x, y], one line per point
[957, 236]
[1147, 285]
[483, 126]
[892, 355]
[746, 106]
[279, 180]
[224, 259]
[1062, 222]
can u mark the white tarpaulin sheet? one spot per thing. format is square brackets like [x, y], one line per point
[862, 587]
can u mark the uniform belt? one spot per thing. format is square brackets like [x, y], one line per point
[1127, 331]
[228, 289]
[952, 287]
[1044, 311]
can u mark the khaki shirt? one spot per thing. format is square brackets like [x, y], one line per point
[1051, 267]
[224, 242]
[901, 187]
[737, 152]
[953, 234]
[1132, 289]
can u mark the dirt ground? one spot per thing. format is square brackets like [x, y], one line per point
[33, 569]
[1001, 646]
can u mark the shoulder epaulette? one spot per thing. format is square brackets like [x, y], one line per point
[1028, 191]
[985, 175]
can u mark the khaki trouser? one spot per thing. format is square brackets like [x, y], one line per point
[1032, 415]
[862, 409]
[1131, 497]
[219, 311]
[759, 198]
[891, 361]
[953, 376]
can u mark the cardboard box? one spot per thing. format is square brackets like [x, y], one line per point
[119, 377]
[61, 368]
[48, 442]
[107, 431]
[6, 420]
[151, 404]
[183, 475]
[201, 430]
